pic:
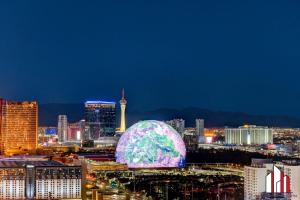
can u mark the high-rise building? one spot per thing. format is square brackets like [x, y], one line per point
[255, 178]
[200, 127]
[123, 103]
[100, 116]
[265, 180]
[293, 172]
[178, 125]
[62, 128]
[18, 126]
[200, 130]
[74, 131]
[248, 135]
[37, 179]
[84, 130]
[190, 141]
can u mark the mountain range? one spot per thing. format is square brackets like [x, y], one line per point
[48, 116]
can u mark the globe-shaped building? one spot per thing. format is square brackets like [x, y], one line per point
[151, 144]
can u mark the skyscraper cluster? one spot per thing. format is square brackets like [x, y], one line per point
[99, 121]
[177, 124]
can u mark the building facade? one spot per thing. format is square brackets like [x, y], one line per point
[293, 171]
[200, 127]
[266, 180]
[190, 141]
[100, 116]
[12, 181]
[20, 179]
[74, 132]
[62, 128]
[200, 130]
[249, 135]
[255, 178]
[18, 126]
[178, 125]
[84, 130]
[58, 182]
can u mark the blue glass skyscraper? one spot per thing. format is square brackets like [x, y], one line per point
[100, 116]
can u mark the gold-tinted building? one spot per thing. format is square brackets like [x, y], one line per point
[18, 126]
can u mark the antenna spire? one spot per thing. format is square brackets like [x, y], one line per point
[123, 93]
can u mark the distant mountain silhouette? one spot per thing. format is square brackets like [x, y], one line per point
[48, 113]
[48, 116]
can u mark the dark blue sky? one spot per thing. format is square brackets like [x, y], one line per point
[222, 55]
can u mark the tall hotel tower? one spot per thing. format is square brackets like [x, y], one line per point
[62, 128]
[123, 103]
[100, 116]
[18, 126]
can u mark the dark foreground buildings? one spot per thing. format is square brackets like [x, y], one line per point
[39, 179]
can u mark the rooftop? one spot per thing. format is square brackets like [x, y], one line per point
[22, 163]
[100, 102]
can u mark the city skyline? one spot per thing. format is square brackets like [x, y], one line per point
[203, 54]
[211, 109]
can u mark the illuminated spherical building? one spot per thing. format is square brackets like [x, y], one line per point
[151, 144]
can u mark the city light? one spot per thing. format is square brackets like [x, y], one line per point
[211, 109]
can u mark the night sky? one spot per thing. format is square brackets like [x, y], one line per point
[221, 55]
